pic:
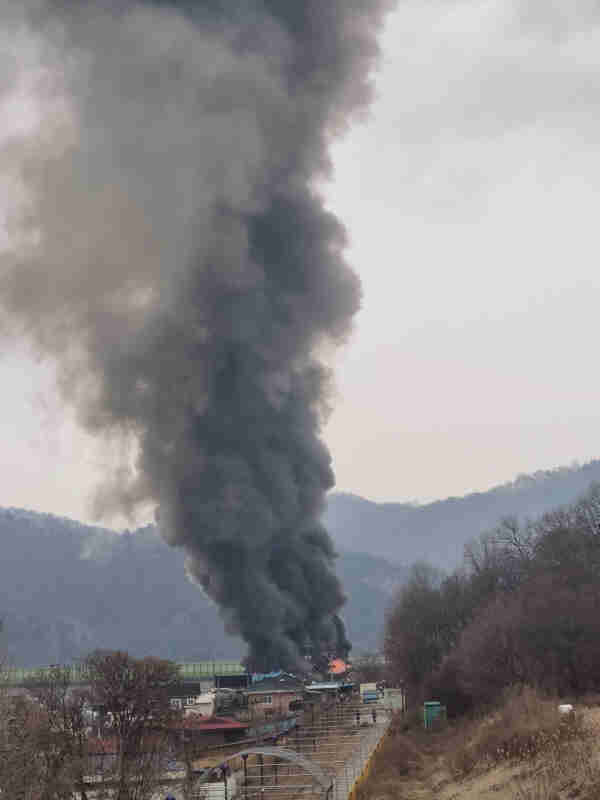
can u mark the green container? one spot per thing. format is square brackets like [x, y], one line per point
[433, 710]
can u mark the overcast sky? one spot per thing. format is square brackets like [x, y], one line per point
[470, 196]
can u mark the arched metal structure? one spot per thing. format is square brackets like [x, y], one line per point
[314, 770]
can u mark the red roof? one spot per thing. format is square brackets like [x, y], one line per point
[208, 724]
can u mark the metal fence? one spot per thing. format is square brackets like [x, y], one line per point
[336, 743]
[190, 670]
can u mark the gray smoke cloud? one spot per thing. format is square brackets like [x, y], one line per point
[176, 257]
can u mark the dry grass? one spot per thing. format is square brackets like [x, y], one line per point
[525, 726]
[526, 750]
[540, 789]
[396, 759]
[560, 754]
[574, 773]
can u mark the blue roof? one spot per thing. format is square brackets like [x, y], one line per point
[282, 683]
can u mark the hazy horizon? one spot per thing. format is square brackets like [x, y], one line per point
[335, 491]
[469, 199]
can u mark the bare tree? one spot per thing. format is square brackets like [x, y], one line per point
[588, 510]
[419, 627]
[19, 766]
[21, 769]
[63, 739]
[133, 696]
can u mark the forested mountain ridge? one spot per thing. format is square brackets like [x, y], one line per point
[67, 588]
[437, 532]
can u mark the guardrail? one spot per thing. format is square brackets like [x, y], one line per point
[357, 770]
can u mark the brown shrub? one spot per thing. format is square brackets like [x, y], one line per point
[402, 723]
[396, 758]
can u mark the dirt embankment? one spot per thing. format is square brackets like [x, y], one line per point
[524, 751]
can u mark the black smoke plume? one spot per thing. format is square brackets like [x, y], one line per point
[173, 253]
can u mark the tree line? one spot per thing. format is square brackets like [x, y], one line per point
[115, 738]
[523, 608]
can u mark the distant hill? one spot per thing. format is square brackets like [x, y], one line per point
[437, 532]
[66, 588]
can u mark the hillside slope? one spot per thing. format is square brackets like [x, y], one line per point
[437, 532]
[67, 588]
[524, 750]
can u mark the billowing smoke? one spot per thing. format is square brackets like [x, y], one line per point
[173, 253]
